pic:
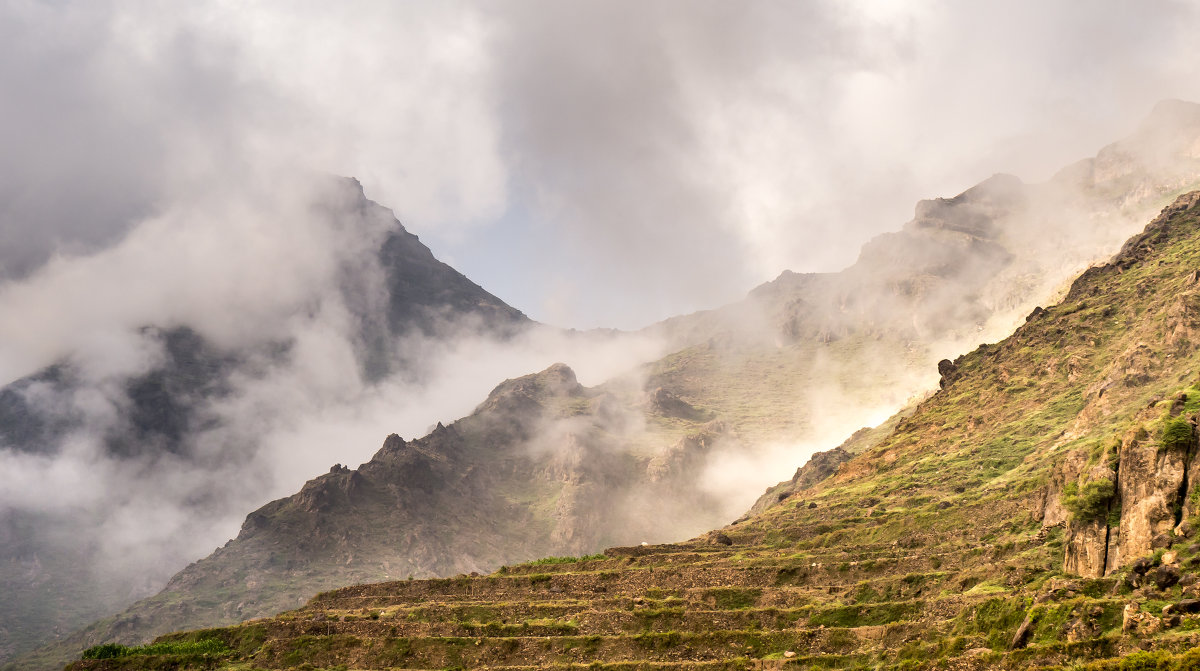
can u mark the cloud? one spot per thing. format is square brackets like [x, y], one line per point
[677, 152]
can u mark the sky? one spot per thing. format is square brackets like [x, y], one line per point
[593, 164]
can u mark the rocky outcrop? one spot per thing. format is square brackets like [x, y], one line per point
[665, 403]
[1089, 504]
[1117, 515]
[819, 467]
[947, 370]
[684, 459]
[1152, 477]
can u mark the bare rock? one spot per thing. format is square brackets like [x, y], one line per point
[948, 370]
[1021, 638]
[1129, 618]
[663, 402]
[1148, 486]
[1166, 576]
[718, 538]
[1142, 566]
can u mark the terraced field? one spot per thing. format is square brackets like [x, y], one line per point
[703, 604]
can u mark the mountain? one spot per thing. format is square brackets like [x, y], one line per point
[1037, 512]
[171, 420]
[964, 270]
[748, 386]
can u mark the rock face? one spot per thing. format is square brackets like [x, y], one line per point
[536, 470]
[1150, 474]
[819, 467]
[1152, 481]
[1088, 535]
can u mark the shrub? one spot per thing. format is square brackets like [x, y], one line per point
[106, 651]
[1176, 433]
[1089, 502]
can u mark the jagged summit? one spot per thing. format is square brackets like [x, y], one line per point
[973, 211]
[556, 381]
[392, 291]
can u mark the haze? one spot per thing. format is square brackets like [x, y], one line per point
[594, 164]
[602, 164]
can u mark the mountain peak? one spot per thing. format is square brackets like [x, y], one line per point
[523, 392]
[1172, 113]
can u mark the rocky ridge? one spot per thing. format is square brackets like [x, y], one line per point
[952, 542]
[48, 583]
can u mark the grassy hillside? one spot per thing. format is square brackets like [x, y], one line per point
[948, 544]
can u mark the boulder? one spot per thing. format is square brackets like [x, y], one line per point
[1021, 638]
[1166, 576]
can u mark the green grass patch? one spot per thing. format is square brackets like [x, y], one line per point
[208, 646]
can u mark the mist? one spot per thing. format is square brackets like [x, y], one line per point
[594, 165]
[682, 157]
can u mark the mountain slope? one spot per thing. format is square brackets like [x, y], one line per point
[954, 542]
[175, 411]
[963, 271]
[799, 363]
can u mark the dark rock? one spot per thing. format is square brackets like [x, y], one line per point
[947, 369]
[1162, 540]
[718, 538]
[812, 504]
[663, 402]
[1021, 638]
[1142, 566]
[1188, 606]
[1166, 576]
[1037, 312]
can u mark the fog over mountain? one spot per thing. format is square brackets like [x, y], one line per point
[167, 194]
[680, 153]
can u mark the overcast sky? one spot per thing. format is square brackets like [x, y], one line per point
[593, 164]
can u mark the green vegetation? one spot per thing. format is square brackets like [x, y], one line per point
[209, 646]
[563, 560]
[1090, 502]
[1176, 434]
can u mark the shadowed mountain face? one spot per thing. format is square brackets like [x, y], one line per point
[688, 442]
[542, 467]
[1038, 512]
[167, 430]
